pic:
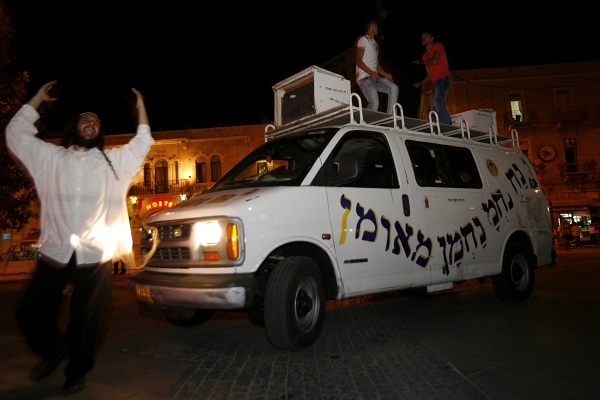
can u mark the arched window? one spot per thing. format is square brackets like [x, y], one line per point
[215, 168]
[161, 174]
[201, 172]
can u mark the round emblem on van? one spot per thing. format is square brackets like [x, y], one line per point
[492, 167]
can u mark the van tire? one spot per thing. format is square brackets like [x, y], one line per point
[294, 304]
[515, 282]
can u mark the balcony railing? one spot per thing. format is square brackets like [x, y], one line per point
[584, 171]
[173, 186]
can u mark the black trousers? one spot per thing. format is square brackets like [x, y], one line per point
[40, 311]
[119, 265]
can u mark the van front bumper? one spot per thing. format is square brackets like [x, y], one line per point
[208, 292]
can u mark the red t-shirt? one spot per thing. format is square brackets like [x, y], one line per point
[441, 68]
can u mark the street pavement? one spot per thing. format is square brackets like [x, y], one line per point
[462, 344]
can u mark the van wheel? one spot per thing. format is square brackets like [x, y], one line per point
[294, 304]
[195, 317]
[515, 282]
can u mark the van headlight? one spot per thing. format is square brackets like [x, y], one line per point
[217, 240]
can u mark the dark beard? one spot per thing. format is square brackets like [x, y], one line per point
[88, 143]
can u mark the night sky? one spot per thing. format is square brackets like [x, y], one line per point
[203, 66]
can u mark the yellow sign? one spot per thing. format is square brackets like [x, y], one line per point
[492, 167]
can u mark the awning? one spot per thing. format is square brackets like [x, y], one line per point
[571, 203]
[32, 238]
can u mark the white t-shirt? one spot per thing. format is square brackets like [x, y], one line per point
[370, 58]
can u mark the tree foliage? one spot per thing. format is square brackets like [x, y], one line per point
[17, 192]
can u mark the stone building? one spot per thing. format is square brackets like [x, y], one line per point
[186, 162]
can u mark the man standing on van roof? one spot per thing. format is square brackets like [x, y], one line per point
[438, 72]
[370, 76]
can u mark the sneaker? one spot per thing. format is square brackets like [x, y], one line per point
[73, 385]
[45, 367]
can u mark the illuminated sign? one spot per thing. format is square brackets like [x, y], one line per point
[153, 205]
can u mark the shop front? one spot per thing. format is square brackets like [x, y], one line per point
[576, 212]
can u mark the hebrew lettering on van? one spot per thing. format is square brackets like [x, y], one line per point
[493, 206]
[454, 256]
[368, 235]
[511, 175]
[347, 206]
[402, 238]
[423, 243]
[385, 222]
[401, 241]
[482, 235]
[489, 208]
[448, 241]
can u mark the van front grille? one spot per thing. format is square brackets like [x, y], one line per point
[172, 253]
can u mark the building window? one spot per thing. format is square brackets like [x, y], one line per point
[570, 147]
[201, 175]
[176, 172]
[147, 175]
[215, 168]
[516, 107]
[161, 172]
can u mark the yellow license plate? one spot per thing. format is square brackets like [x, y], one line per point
[143, 293]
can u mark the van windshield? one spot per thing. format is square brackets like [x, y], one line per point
[281, 162]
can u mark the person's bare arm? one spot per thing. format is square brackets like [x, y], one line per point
[42, 95]
[140, 108]
[384, 73]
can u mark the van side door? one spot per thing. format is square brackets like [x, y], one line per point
[369, 213]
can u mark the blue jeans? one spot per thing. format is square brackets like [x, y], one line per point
[439, 91]
[371, 91]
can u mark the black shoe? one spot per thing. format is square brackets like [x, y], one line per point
[45, 367]
[123, 272]
[73, 385]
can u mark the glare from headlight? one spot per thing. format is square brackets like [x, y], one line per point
[207, 233]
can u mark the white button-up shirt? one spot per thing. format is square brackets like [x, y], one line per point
[83, 205]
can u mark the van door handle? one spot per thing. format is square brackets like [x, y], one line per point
[405, 205]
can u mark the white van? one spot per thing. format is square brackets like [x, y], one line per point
[347, 203]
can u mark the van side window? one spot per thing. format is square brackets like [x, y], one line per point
[437, 165]
[361, 159]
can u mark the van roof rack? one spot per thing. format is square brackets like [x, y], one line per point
[356, 115]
